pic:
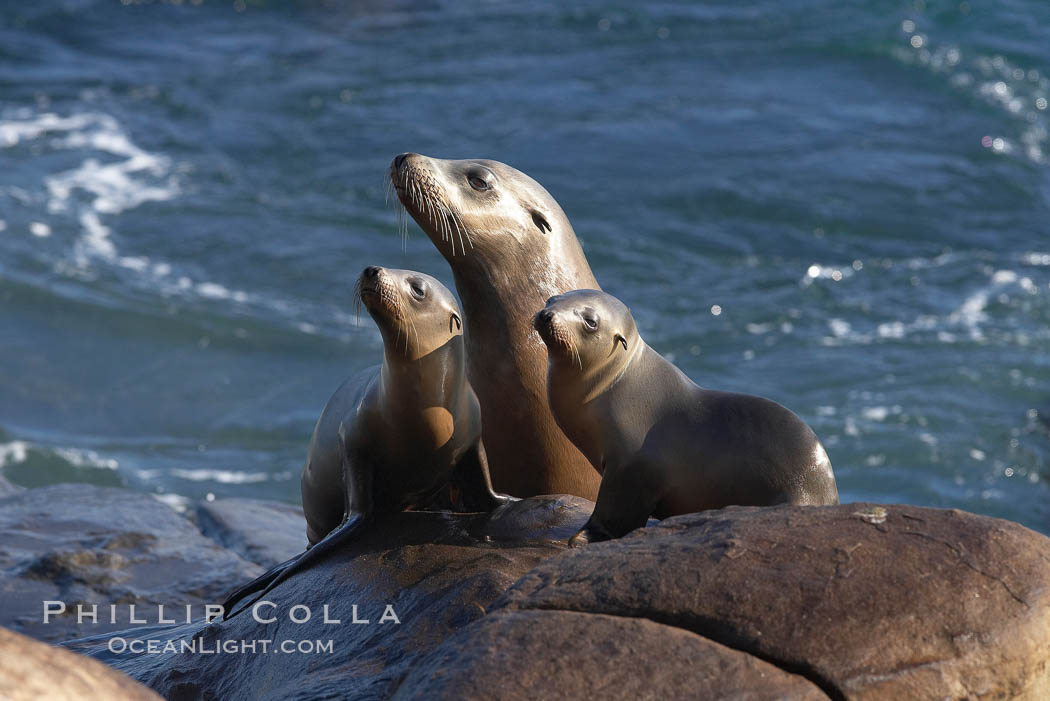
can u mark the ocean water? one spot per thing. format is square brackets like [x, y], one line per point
[841, 206]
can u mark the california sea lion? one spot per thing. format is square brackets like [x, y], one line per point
[664, 445]
[405, 434]
[510, 247]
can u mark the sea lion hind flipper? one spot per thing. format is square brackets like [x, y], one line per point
[255, 585]
[470, 476]
[333, 541]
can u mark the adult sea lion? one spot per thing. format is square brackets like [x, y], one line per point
[664, 445]
[405, 434]
[510, 247]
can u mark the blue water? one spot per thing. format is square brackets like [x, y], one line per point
[842, 206]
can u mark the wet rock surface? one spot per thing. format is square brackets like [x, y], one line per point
[436, 572]
[31, 670]
[81, 544]
[263, 532]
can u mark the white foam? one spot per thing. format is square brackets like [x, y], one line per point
[875, 413]
[758, 329]
[86, 458]
[14, 132]
[839, 327]
[221, 476]
[137, 263]
[95, 240]
[214, 290]
[18, 452]
[892, 329]
[116, 175]
[13, 453]
[176, 501]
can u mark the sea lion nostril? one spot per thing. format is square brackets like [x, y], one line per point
[371, 271]
[398, 160]
[543, 319]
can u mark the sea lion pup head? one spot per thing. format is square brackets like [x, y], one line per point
[590, 334]
[477, 207]
[415, 313]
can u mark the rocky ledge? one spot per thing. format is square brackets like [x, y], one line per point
[855, 601]
[80, 544]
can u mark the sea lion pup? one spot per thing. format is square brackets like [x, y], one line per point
[405, 434]
[664, 445]
[510, 248]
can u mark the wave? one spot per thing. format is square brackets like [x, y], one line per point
[220, 476]
[116, 175]
[18, 452]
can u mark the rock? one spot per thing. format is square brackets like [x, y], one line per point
[557, 654]
[264, 532]
[867, 602]
[437, 572]
[855, 601]
[30, 670]
[81, 544]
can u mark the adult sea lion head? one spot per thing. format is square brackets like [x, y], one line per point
[590, 336]
[415, 313]
[480, 208]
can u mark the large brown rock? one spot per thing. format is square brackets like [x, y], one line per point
[87, 545]
[867, 602]
[511, 655]
[30, 671]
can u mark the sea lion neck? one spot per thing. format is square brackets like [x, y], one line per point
[530, 284]
[596, 393]
[412, 381]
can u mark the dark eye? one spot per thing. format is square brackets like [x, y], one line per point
[591, 323]
[478, 183]
[419, 290]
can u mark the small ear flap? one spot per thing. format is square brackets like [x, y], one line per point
[454, 318]
[620, 339]
[540, 221]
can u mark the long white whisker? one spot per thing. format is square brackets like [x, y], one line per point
[459, 232]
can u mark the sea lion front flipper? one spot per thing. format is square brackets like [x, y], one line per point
[470, 476]
[627, 495]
